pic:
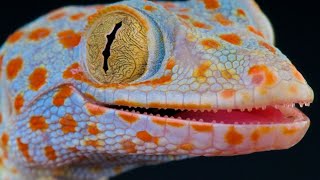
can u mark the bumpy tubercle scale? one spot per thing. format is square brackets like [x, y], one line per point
[184, 79]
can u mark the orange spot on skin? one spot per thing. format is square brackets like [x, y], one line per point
[160, 81]
[95, 110]
[183, 16]
[73, 149]
[184, 10]
[89, 96]
[168, 5]
[297, 74]
[226, 74]
[257, 79]
[128, 103]
[289, 131]
[63, 93]
[14, 67]
[93, 143]
[222, 20]
[176, 124]
[56, 16]
[24, 149]
[129, 146]
[255, 31]
[200, 71]
[241, 13]
[68, 124]
[69, 39]
[39, 33]
[186, 147]
[77, 16]
[201, 25]
[228, 93]
[38, 123]
[202, 127]
[4, 139]
[255, 136]
[144, 136]
[210, 44]
[211, 4]
[171, 63]
[158, 121]
[18, 102]
[16, 36]
[128, 117]
[293, 89]
[233, 137]
[50, 153]
[150, 8]
[269, 78]
[37, 78]
[74, 71]
[93, 129]
[232, 38]
[267, 46]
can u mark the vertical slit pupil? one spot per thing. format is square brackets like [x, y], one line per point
[106, 51]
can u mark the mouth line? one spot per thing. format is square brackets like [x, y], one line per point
[271, 114]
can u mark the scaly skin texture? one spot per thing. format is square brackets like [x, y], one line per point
[57, 122]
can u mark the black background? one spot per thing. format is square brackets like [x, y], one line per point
[297, 36]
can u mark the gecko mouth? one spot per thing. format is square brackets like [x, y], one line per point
[277, 114]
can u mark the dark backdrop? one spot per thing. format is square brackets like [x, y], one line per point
[297, 36]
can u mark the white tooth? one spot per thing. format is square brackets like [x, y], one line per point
[213, 121]
[229, 110]
[264, 107]
[165, 116]
[215, 110]
[307, 104]
[202, 110]
[158, 115]
[301, 105]
[201, 120]
[242, 109]
[188, 119]
[249, 109]
[179, 117]
[145, 113]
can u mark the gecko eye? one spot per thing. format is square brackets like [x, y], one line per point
[116, 45]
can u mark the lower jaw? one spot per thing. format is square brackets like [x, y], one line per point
[224, 133]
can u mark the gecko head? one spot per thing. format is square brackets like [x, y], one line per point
[157, 79]
[209, 76]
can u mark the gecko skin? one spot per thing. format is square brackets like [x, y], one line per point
[199, 78]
